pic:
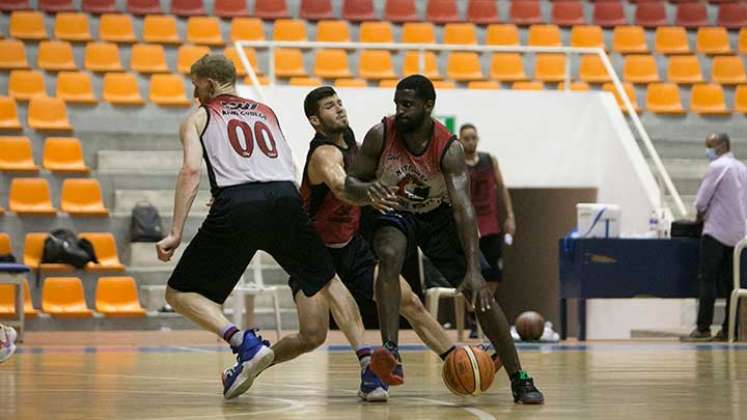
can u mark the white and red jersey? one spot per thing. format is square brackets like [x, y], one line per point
[243, 143]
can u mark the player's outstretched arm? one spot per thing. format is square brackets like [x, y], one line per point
[454, 169]
[187, 181]
[327, 165]
[361, 184]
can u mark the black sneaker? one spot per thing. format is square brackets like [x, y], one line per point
[697, 336]
[722, 336]
[524, 391]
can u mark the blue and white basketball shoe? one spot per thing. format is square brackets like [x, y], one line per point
[252, 357]
[372, 388]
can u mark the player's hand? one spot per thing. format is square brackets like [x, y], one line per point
[382, 198]
[475, 287]
[510, 226]
[165, 247]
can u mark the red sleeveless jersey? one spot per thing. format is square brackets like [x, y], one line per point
[484, 194]
[419, 178]
[335, 220]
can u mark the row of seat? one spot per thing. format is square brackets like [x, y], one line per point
[80, 197]
[61, 155]
[437, 11]
[64, 297]
[103, 243]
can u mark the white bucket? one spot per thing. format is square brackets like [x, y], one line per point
[598, 220]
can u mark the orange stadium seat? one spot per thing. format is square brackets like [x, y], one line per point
[5, 246]
[270, 9]
[316, 10]
[708, 99]
[82, 197]
[33, 250]
[230, 8]
[351, 83]
[16, 155]
[742, 41]
[442, 11]
[629, 40]
[418, 33]
[289, 30]
[305, 81]
[464, 66]
[376, 65]
[664, 98]
[591, 69]
[27, 25]
[507, 67]
[56, 56]
[629, 90]
[9, 114]
[444, 84]
[684, 69]
[187, 54]
[712, 41]
[63, 297]
[116, 27]
[122, 89]
[118, 297]
[376, 32]
[247, 29]
[105, 248]
[740, 99]
[31, 197]
[160, 29]
[48, 114]
[289, 63]
[640, 69]
[263, 81]
[550, 67]
[483, 85]
[358, 10]
[587, 36]
[460, 33]
[148, 58]
[544, 36]
[525, 12]
[102, 57]
[728, 70]
[64, 155]
[144, 7]
[8, 300]
[575, 86]
[75, 87]
[527, 85]
[388, 83]
[251, 55]
[331, 64]
[412, 64]
[168, 90]
[12, 55]
[482, 12]
[671, 40]
[72, 27]
[25, 84]
[399, 11]
[204, 30]
[333, 31]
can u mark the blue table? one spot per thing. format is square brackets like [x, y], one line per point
[12, 273]
[626, 268]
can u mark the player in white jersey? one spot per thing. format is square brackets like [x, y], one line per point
[255, 206]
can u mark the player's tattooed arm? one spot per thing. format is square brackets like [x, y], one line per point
[361, 184]
[455, 173]
[327, 166]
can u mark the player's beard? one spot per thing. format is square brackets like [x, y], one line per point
[410, 125]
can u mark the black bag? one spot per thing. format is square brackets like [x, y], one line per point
[63, 246]
[146, 224]
[686, 229]
[7, 258]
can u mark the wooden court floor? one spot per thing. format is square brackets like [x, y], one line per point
[171, 375]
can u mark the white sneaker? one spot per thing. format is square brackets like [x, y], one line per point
[7, 342]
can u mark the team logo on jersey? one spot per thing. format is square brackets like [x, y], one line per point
[413, 189]
[240, 106]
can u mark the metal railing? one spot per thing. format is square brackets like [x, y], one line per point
[661, 175]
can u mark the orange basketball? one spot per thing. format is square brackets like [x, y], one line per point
[468, 371]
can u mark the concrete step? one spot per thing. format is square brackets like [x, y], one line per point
[169, 161]
[163, 200]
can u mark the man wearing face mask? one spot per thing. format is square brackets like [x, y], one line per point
[722, 206]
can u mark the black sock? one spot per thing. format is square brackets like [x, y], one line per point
[393, 348]
[446, 354]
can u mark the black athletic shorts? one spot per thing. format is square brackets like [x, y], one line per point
[436, 234]
[491, 263]
[246, 218]
[355, 264]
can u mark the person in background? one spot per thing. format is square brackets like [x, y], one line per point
[491, 200]
[721, 203]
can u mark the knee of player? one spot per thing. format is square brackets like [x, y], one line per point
[389, 254]
[171, 297]
[411, 306]
[314, 339]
